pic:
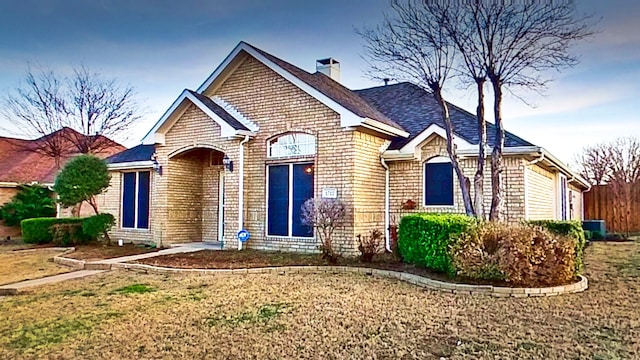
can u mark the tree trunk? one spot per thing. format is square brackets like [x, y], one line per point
[94, 205]
[465, 184]
[478, 179]
[496, 155]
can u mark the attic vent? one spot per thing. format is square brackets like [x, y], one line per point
[329, 67]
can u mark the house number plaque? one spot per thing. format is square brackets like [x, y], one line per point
[329, 193]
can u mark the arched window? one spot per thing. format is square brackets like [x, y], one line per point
[438, 182]
[297, 144]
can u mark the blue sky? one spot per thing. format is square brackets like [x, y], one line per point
[161, 47]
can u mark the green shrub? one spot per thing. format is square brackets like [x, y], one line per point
[31, 201]
[596, 235]
[521, 255]
[425, 239]
[38, 230]
[587, 235]
[572, 228]
[97, 226]
[68, 234]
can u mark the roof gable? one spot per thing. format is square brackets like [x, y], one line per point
[353, 110]
[230, 125]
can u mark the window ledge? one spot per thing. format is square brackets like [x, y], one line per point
[290, 238]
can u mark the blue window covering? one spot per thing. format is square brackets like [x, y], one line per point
[302, 191]
[278, 192]
[143, 199]
[438, 184]
[128, 200]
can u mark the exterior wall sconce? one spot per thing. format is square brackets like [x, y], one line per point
[156, 165]
[228, 164]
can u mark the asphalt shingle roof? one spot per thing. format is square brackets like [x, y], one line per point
[22, 162]
[220, 111]
[415, 109]
[136, 153]
[334, 90]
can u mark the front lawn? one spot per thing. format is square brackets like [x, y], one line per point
[18, 264]
[129, 315]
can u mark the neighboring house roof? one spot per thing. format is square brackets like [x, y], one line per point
[135, 154]
[416, 109]
[20, 163]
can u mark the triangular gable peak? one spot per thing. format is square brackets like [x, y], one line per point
[347, 117]
[232, 123]
[412, 150]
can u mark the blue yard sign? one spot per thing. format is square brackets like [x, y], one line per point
[243, 235]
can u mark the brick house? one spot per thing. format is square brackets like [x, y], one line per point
[22, 163]
[287, 135]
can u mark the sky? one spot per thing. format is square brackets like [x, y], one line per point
[161, 47]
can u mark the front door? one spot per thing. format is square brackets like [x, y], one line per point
[221, 207]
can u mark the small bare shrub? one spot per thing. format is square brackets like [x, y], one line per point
[369, 245]
[521, 255]
[325, 215]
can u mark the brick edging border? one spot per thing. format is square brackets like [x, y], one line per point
[417, 280]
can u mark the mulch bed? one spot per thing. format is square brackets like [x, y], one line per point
[233, 259]
[100, 251]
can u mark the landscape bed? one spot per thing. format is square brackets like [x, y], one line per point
[247, 259]
[122, 314]
[99, 251]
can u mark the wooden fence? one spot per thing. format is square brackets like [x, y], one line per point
[620, 213]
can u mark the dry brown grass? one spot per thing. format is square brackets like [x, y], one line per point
[26, 265]
[126, 315]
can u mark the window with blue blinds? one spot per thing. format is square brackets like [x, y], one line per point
[136, 188]
[438, 184]
[289, 186]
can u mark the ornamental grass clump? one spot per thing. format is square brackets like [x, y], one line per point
[521, 255]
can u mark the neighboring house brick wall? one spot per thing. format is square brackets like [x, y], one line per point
[541, 193]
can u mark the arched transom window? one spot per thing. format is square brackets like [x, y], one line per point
[297, 144]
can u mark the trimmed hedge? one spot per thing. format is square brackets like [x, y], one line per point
[42, 230]
[425, 239]
[98, 225]
[39, 230]
[572, 228]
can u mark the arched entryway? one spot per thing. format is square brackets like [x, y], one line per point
[195, 194]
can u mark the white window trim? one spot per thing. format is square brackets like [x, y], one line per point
[135, 202]
[274, 146]
[289, 235]
[433, 160]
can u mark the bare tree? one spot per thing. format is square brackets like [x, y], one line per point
[413, 45]
[462, 28]
[324, 215]
[594, 163]
[94, 106]
[523, 40]
[38, 110]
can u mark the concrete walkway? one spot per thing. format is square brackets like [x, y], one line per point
[51, 279]
[181, 248]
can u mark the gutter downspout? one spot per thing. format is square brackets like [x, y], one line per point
[387, 220]
[241, 189]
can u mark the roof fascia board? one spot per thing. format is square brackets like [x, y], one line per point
[461, 144]
[131, 165]
[384, 128]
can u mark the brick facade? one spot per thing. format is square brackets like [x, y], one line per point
[185, 198]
